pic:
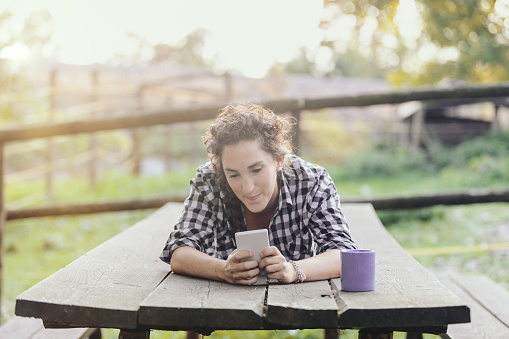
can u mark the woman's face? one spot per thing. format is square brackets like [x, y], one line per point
[252, 174]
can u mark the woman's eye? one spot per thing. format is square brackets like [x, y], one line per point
[233, 175]
[256, 170]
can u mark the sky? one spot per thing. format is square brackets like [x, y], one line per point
[246, 35]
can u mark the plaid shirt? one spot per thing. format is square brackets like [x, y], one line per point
[307, 221]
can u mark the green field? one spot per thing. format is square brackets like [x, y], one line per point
[470, 238]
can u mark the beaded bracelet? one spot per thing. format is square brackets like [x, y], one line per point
[300, 276]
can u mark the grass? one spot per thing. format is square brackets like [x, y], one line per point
[442, 238]
[462, 238]
[36, 248]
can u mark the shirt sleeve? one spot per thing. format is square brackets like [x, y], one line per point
[326, 220]
[196, 225]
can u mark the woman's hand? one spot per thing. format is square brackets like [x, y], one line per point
[237, 272]
[276, 266]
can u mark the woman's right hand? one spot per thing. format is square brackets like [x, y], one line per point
[242, 273]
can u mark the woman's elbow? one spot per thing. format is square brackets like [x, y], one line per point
[177, 261]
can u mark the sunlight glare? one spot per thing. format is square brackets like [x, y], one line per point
[15, 52]
[409, 21]
[248, 36]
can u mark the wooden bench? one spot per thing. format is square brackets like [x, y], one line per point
[33, 328]
[488, 303]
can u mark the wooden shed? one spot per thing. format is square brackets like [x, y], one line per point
[450, 121]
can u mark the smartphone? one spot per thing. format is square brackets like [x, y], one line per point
[255, 241]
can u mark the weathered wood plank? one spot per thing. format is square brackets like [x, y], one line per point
[488, 293]
[184, 303]
[21, 327]
[121, 284]
[406, 294]
[484, 324]
[105, 287]
[307, 305]
[32, 328]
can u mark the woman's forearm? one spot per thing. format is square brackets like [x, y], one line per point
[322, 266]
[189, 261]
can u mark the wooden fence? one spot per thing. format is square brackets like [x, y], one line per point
[291, 105]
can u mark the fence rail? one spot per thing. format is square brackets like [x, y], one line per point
[292, 105]
[172, 116]
[379, 203]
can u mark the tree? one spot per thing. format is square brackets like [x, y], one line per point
[418, 42]
[34, 34]
[189, 51]
[478, 31]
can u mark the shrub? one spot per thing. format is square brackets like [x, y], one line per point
[485, 158]
[385, 162]
[495, 146]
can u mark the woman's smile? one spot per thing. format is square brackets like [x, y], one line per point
[253, 198]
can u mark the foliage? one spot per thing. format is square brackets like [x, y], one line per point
[322, 131]
[384, 162]
[110, 184]
[477, 162]
[187, 51]
[34, 34]
[347, 64]
[36, 248]
[486, 159]
[414, 42]
[494, 145]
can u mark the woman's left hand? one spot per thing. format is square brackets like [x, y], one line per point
[276, 266]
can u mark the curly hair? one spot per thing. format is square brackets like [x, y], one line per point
[244, 122]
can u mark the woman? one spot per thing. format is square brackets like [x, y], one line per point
[253, 182]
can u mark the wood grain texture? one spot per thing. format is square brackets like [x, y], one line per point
[486, 292]
[306, 305]
[122, 284]
[104, 287]
[406, 295]
[182, 302]
[480, 293]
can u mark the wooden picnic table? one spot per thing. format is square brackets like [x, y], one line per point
[122, 284]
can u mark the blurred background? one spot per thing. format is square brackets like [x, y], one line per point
[64, 64]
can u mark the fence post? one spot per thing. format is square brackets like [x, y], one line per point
[296, 135]
[417, 127]
[136, 135]
[227, 87]
[495, 123]
[2, 215]
[93, 137]
[50, 147]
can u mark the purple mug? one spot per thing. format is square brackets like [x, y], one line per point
[357, 270]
